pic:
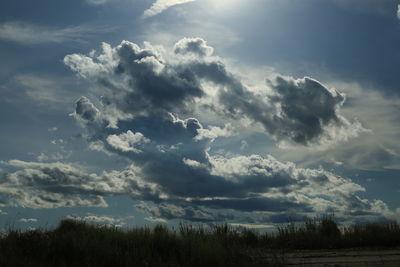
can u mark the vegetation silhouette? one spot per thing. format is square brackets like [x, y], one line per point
[77, 243]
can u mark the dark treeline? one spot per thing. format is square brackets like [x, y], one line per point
[76, 243]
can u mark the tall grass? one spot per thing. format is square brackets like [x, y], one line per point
[76, 243]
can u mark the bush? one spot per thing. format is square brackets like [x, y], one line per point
[76, 243]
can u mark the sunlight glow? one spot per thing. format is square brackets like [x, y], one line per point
[225, 5]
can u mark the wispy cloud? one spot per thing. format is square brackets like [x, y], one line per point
[28, 34]
[252, 226]
[28, 220]
[160, 5]
[96, 2]
[104, 220]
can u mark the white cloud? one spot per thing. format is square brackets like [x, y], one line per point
[138, 81]
[96, 2]
[398, 11]
[154, 89]
[52, 129]
[106, 220]
[161, 5]
[192, 163]
[31, 34]
[252, 226]
[28, 220]
[126, 142]
[214, 132]
[155, 220]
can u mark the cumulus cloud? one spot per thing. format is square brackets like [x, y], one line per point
[308, 111]
[139, 81]
[85, 111]
[161, 5]
[375, 150]
[214, 132]
[194, 185]
[195, 46]
[31, 34]
[127, 141]
[145, 115]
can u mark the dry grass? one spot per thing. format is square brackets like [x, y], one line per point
[76, 243]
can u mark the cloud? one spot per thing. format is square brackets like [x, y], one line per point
[398, 11]
[155, 220]
[47, 91]
[127, 141]
[139, 81]
[30, 34]
[96, 2]
[373, 150]
[28, 220]
[177, 172]
[167, 211]
[145, 114]
[251, 226]
[195, 185]
[52, 129]
[214, 132]
[52, 185]
[161, 5]
[85, 111]
[308, 111]
[105, 220]
[194, 46]
[147, 84]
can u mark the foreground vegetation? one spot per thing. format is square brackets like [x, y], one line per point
[76, 243]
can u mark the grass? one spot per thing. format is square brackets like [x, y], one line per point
[76, 243]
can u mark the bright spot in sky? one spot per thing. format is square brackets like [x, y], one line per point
[224, 5]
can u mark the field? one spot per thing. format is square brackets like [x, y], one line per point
[318, 242]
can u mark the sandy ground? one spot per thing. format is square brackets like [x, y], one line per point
[335, 258]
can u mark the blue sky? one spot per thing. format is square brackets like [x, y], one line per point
[133, 112]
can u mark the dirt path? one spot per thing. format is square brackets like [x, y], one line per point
[387, 258]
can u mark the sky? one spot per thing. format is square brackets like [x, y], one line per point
[252, 113]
